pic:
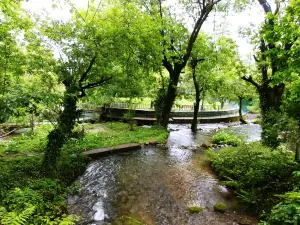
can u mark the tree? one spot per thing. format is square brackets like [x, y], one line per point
[177, 45]
[203, 60]
[219, 68]
[95, 48]
[277, 38]
[13, 22]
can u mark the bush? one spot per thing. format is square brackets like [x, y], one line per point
[286, 212]
[256, 173]
[45, 205]
[227, 137]
[27, 142]
[16, 172]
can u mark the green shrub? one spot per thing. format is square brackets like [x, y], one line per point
[286, 212]
[227, 137]
[27, 142]
[17, 171]
[256, 173]
[28, 206]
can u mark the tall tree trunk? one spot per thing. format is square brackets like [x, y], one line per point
[196, 109]
[271, 97]
[168, 100]
[270, 101]
[297, 149]
[63, 130]
[198, 91]
[240, 110]
[203, 98]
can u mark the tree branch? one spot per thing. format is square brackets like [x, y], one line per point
[205, 10]
[277, 8]
[266, 6]
[167, 64]
[250, 80]
[83, 76]
[93, 85]
[256, 59]
[97, 84]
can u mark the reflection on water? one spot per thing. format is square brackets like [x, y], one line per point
[154, 185]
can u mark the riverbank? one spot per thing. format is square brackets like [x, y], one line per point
[26, 192]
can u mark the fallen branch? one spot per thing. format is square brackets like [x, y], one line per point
[8, 133]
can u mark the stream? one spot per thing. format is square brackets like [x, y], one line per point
[156, 185]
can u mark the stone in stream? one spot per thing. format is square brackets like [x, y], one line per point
[220, 207]
[226, 193]
[195, 209]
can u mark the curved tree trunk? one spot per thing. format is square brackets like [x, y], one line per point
[168, 100]
[63, 130]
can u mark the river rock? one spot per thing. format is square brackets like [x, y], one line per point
[226, 193]
[72, 199]
[162, 146]
[73, 156]
[220, 207]
[244, 221]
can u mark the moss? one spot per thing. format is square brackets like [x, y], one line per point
[195, 209]
[220, 207]
[127, 220]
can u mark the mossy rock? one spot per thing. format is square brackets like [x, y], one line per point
[127, 220]
[195, 209]
[220, 207]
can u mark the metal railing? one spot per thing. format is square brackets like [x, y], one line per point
[176, 107]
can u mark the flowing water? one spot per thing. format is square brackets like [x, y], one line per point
[156, 185]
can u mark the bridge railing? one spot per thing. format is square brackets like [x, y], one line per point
[176, 107]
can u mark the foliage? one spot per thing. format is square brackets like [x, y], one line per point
[271, 129]
[40, 203]
[16, 172]
[27, 142]
[247, 167]
[228, 138]
[286, 212]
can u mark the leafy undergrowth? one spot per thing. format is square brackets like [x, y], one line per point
[260, 176]
[26, 142]
[228, 138]
[26, 197]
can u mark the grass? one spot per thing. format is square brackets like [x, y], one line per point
[113, 134]
[228, 138]
[119, 133]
